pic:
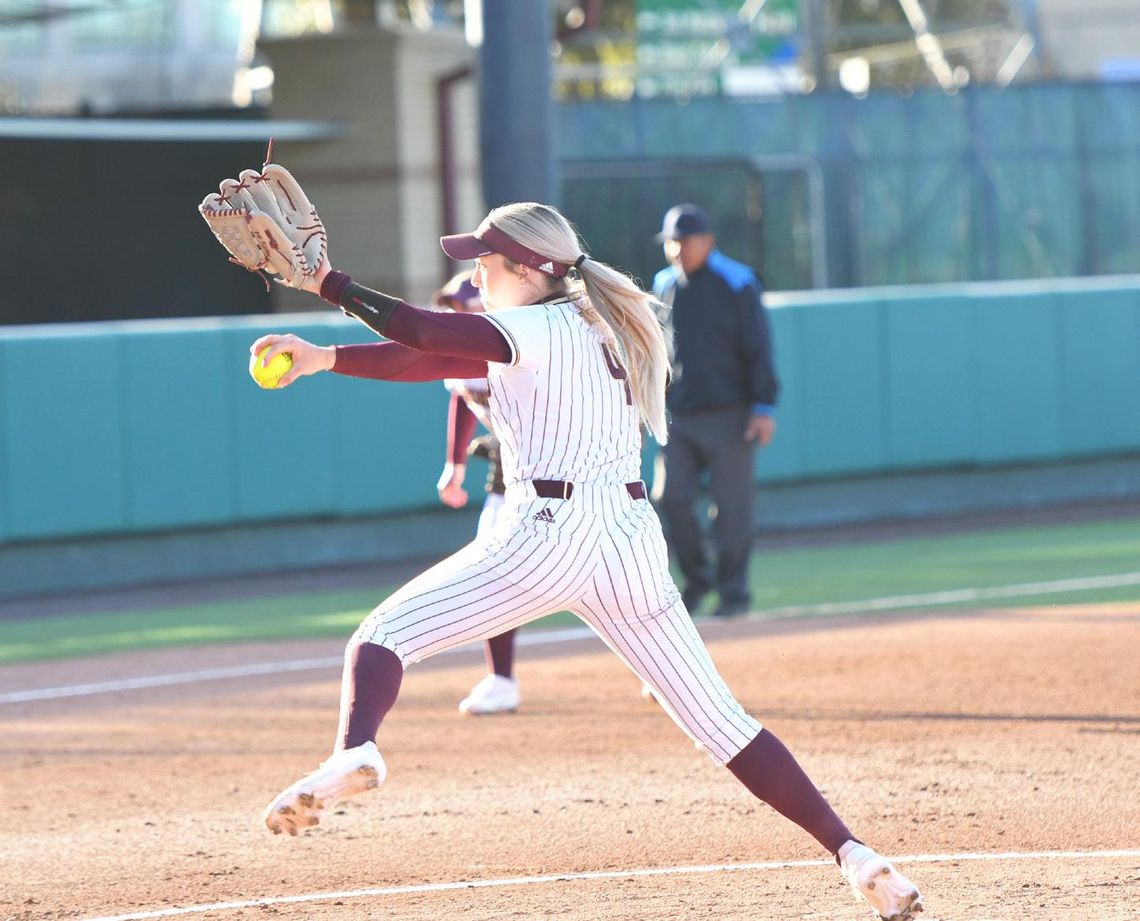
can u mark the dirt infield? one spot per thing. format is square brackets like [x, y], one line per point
[972, 739]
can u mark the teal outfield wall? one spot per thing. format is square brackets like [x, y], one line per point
[880, 380]
[151, 426]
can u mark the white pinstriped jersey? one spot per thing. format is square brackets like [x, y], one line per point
[562, 410]
[562, 407]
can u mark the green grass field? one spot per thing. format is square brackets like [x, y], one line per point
[799, 578]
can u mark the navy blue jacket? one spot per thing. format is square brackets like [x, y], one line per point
[719, 329]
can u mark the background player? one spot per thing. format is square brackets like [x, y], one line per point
[498, 690]
[574, 365]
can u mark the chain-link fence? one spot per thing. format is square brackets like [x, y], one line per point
[827, 190]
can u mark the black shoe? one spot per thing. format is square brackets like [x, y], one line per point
[694, 598]
[732, 609]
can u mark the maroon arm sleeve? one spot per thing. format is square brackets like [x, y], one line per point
[464, 335]
[390, 361]
[461, 335]
[460, 429]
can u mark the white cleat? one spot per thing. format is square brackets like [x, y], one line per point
[345, 773]
[494, 694]
[872, 877]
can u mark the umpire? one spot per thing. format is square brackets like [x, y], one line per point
[721, 400]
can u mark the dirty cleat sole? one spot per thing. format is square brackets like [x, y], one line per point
[346, 773]
[872, 877]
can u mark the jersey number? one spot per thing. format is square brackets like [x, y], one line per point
[617, 372]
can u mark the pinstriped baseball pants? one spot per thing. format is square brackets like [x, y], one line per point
[600, 554]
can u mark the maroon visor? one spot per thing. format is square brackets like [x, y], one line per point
[489, 239]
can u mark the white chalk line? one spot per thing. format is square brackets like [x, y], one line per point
[957, 596]
[544, 637]
[597, 875]
[537, 638]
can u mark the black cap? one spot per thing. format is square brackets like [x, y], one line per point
[683, 221]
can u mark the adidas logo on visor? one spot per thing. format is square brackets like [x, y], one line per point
[547, 267]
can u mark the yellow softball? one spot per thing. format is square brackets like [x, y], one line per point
[269, 376]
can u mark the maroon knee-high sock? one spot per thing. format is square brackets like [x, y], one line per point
[372, 676]
[501, 654]
[770, 772]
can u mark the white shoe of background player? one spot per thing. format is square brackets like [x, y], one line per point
[346, 773]
[494, 694]
[873, 878]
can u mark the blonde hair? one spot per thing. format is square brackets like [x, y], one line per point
[625, 314]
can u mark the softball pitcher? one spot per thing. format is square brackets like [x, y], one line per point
[576, 363]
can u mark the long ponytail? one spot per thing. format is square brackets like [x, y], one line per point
[626, 314]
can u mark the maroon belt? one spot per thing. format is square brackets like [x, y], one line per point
[561, 489]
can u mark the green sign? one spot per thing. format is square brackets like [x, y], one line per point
[702, 47]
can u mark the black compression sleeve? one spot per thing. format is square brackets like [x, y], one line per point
[371, 308]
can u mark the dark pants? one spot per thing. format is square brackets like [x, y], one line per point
[710, 440]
